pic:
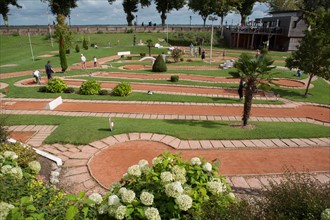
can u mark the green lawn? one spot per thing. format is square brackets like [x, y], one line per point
[83, 130]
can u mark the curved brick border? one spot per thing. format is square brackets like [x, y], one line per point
[76, 176]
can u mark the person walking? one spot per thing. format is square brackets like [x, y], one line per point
[49, 70]
[37, 76]
[83, 61]
[95, 61]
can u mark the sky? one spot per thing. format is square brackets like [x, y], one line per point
[89, 12]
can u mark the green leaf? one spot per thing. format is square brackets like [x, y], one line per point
[31, 208]
[71, 212]
[85, 211]
[81, 195]
[71, 197]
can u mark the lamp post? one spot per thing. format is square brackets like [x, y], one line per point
[212, 18]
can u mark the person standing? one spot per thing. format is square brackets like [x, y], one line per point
[49, 70]
[199, 51]
[241, 88]
[95, 61]
[224, 52]
[83, 61]
[203, 55]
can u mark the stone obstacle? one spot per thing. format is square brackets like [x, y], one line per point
[53, 104]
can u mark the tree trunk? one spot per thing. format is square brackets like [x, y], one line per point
[163, 17]
[249, 91]
[5, 20]
[243, 19]
[149, 51]
[309, 82]
[221, 35]
[204, 21]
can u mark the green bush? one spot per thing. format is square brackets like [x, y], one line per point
[264, 51]
[129, 58]
[142, 54]
[23, 196]
[90, 87]
[159, 65]
[103, 92]
[174, 78]
[69, 90]
[77, 48]
[176, 54]
[56, 85]
[169, 188]
[298, 196]
[122, 89]
[85, 44]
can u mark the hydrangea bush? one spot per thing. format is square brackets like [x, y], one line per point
[170, 188]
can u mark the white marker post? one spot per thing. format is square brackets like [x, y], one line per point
[111, 124]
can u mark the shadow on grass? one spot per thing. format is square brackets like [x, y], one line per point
[193, 123]
[289, 93]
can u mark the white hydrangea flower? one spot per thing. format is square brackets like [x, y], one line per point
[96, 197]
[173, 189]
[16, 172]
[5, 209]
[146, 198]
[114, 186]
[166, 177]
[156, 161]
[231, 195]
[178, 170]
[34, 166]
[10, 155]
[113, 200]
[128, 196]
[120, 212]
[6, 169]
[196, 161]
[215, 187]
[181, 178]
[144, 165]
[325, 214]
[102, 209]
[134, 170]
[207, 167]
[152, 213]
[184, 202]
[122, 190]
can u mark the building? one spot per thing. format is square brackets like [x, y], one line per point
[281, 32]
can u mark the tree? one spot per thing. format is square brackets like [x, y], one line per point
[222, 7]
[149, 45]
[253, 71]
[62, 9]
[204, 8]
[164, 6]
[282, 5]
[244, 7]
[130, 6]
[313, 54]
[4, 9]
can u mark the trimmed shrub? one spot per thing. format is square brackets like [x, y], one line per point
[77, 48]
[181, 59]
[90, 87]
[56, 85]
[85, 44]
[189, 60]
[142, 54]
[103, 92]
[69, 90]
[42, 89]
[174, 78]
[264, 51]
[159, 65]
[122, 89]
[129, 58]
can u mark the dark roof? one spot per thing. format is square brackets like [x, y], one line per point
[283, 11]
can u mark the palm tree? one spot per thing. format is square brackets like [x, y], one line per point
[4, 9]
[62, 9]
[253, 70]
